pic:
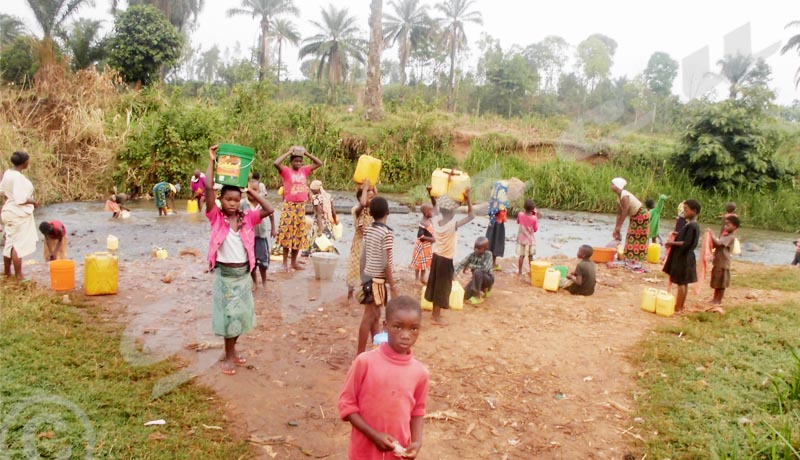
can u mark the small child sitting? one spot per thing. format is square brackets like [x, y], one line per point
[55, 240]
[386, 390]
[584, 278]
[480, 264]
[720, 271]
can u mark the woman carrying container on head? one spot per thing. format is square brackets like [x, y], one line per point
[630, 207]
[17, 215]
[324, 217]
[292, 234]
[164, 194]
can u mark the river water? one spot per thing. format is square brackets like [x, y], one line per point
[560, 232]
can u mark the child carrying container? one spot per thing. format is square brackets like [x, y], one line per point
[423, 246]
[528, 223]
[445, 227]
[361, 220]
[386, 389]
[480, 264]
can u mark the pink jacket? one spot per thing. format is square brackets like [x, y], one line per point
[219, 231]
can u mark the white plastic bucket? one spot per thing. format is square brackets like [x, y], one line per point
[324, 265]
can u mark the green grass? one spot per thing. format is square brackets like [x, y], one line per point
[64, 385]
[783, 278]
[712, 384]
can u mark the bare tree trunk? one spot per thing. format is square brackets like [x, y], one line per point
[403, 49]
[264, 48]
[373, 99]
[452, 102]
[280, 46]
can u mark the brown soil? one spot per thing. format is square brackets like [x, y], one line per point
[527, 375]
[535, 149]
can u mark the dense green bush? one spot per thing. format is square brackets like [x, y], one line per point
[18, 62]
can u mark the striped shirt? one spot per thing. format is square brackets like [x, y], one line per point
[377, 252]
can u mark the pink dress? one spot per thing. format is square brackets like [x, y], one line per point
[386, 389]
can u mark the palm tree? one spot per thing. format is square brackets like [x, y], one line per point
[409, 26]
[373, 101]
[735, 69]
[285, 30]
[267, 10]
[455, 15]
[11, 27]
[180, 13]
[85, 43]
[52, 14]
[335, 43]
[793, 42]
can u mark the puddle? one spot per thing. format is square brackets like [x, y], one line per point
[560, 232]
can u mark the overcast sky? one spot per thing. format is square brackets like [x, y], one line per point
[679, 27]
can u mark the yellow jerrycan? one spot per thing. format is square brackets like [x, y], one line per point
[456, 296]
[427, 306]
[665, 304]
[368, 167]
[100, 274]
[191, 207]
[538, 271]
[552, 278]
[653, 253]
[649, 299]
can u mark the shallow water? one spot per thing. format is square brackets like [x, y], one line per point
[560, 233]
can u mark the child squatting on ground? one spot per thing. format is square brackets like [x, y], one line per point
[423, 246]
[480, 263]
[681, 265]
[528, 222]
[386, 389]
[377, 258]
[232, 258]
[445, 227]
[721, 268]
[583, 279]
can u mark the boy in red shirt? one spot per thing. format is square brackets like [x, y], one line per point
[386, 389]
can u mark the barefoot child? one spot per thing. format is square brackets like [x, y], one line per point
[445, 228]
[526, 239]
[423, 246]
[720, 271]
[480, 264]
[261, 245]
[377, 258]
[361, 220]
[386, 389]
[681, 264]
[582, 281]
[498, 215]
[55, 240]
[232, 258]
[292, 235]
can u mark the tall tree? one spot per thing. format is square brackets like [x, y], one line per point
[52, 14]
[209, 64]
[142, 43]
[373, 101]
[285, 31]
[660, 73]
[455, 14]
[743, 71]
[408, 27]
[335, 43]
[549, 57]
[793, 43]
[266, 11]
[180, 13]
[84, 43]
[11, 27]
[595, 58]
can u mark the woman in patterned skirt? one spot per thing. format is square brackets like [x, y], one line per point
[630, 207]
[292, 234]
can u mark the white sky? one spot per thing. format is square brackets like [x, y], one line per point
[678, 27]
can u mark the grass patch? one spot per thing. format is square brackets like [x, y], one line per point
[781, 278]
[723, 387]
[64, 386]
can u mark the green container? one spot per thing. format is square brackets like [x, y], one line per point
[233, 165]
[563, 269]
